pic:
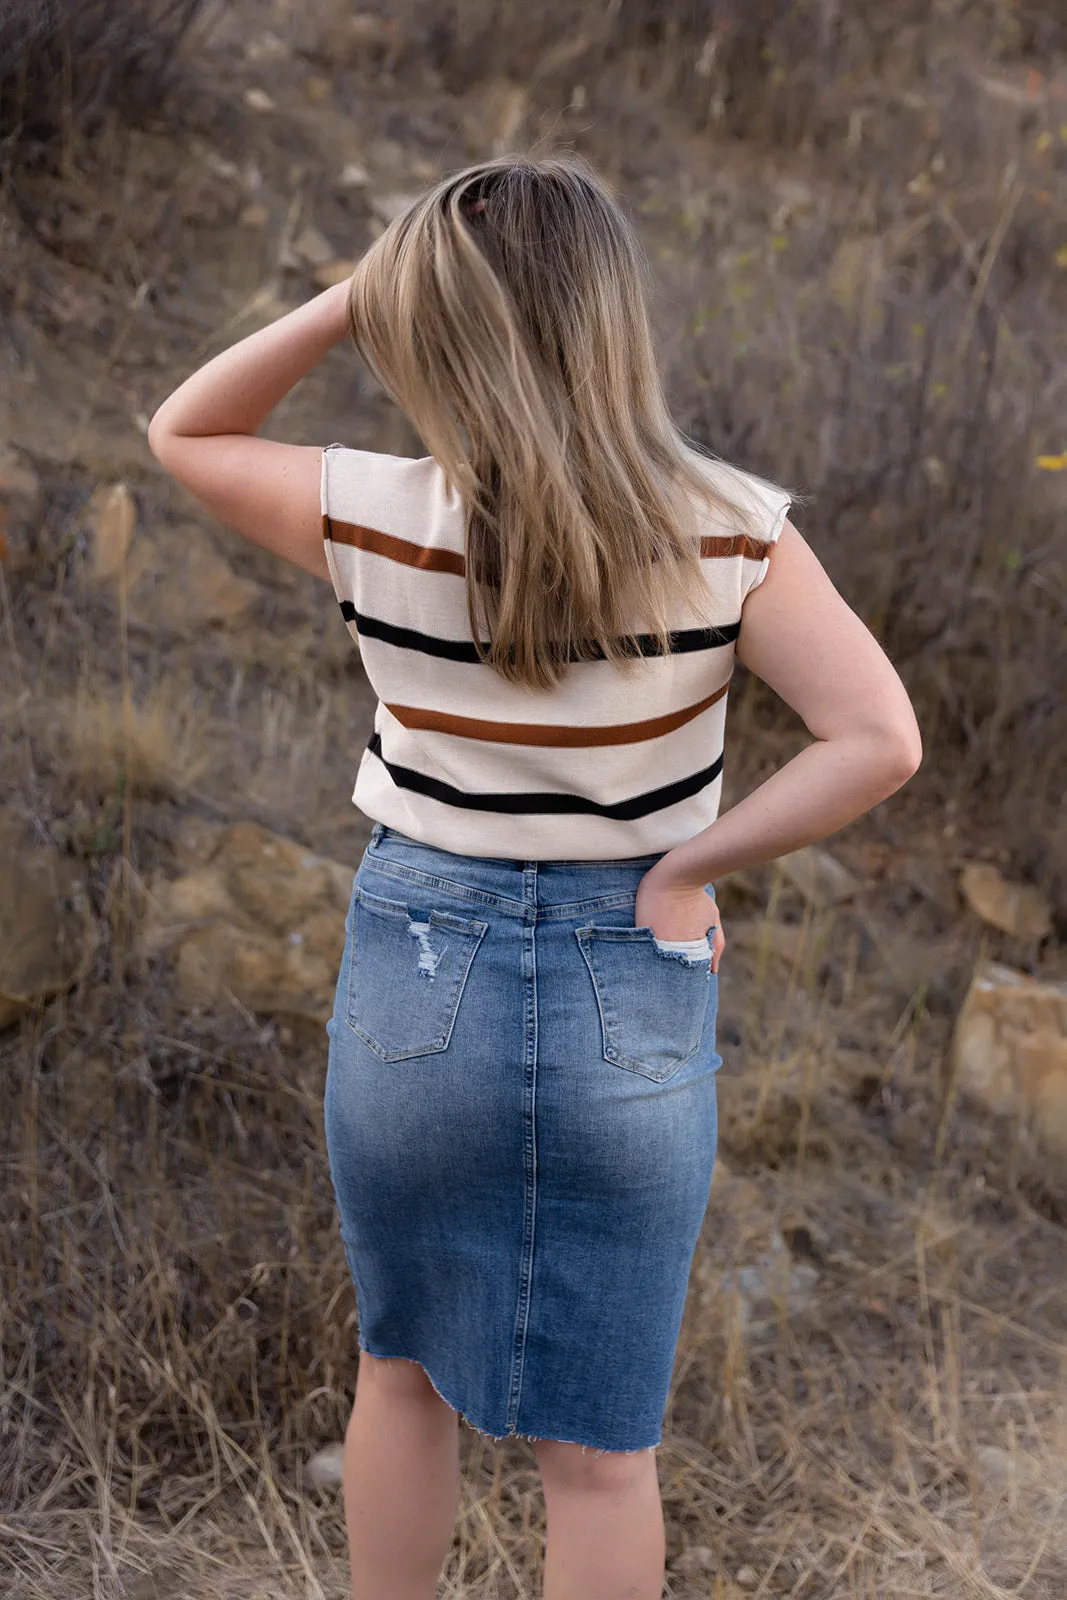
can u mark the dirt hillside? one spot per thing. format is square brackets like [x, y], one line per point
[858, 232]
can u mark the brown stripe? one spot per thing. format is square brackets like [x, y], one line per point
[738, 544]
[540, 733]
[384, 544]
[430, 560]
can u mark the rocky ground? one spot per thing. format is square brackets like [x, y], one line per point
[869, 1397]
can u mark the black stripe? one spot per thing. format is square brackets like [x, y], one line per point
[682, 642]
[408, 638]
[640, 805]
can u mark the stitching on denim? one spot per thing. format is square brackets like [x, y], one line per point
[529, 1219]
[474, 933]
[583, 908]
[400, 910]
[516, 908]
[430, 881]
[611, 1051]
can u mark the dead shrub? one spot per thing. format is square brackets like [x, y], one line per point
[64, 63]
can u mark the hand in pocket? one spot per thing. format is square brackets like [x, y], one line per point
[677, 912]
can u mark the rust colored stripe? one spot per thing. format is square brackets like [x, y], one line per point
[738, 544]
[402, 550]
[429, 560]
[540, 733]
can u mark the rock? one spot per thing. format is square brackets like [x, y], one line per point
[1010, 1048]
[112, 516]
[353, 176]
[695, 1559]
[332, 272]
[775, 1283]
[20, 487]
[266, 46]
[179, 582]
[1020, 909]
[254, 215]
[312, 246]
[387, 207]
[1002, 1469]
[46, 927]
[196, 842]
[259, 920]
[747, 1577]
[258, 100]
[221, 165]
[20, 505]
[820, 878]
[326, 1468]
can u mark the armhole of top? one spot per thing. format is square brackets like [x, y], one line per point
[770, 537]
[331, 560]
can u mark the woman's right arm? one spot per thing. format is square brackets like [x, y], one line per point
[206, 433]
[801, 638]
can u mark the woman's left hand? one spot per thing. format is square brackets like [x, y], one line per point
[675, 911]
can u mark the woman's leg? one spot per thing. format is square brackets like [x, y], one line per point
[401, 1478]
[605, 1523]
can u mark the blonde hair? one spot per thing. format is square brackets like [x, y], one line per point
[505, 312]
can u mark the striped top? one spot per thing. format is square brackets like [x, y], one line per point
[604, 765]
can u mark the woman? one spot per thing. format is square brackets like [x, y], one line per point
[520, 1100]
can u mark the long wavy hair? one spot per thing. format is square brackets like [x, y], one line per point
[505, 311]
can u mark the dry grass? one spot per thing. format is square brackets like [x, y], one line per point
[178, 1330]
[107, 749]
[857, 246]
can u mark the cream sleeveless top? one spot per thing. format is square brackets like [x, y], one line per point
[605, 765]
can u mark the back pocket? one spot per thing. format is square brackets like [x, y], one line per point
[406, 975]
[653, 998]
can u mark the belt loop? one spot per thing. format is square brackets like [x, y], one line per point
[376, 835]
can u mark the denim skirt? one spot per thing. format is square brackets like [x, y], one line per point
[521, 1126]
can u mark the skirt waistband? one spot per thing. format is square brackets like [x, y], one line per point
[530, 888]
[385, 841]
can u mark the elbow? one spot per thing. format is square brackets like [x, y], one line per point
[158, 435]
[900, 753]
[165, 440]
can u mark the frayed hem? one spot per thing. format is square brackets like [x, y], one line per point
[499, 1438]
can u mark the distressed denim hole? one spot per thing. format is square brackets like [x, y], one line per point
[408, 969]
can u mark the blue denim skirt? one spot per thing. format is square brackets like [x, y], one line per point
[521, 1126]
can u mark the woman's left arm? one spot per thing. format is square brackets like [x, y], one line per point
[205, 433]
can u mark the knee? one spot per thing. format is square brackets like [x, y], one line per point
[574, 1469]
[396, 1377]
